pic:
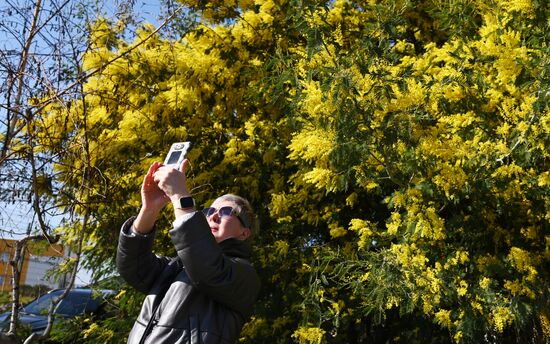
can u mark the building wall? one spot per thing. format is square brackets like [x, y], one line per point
[37, 269]
[38, 259]
[5, 267]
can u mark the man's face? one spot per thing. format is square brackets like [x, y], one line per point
[224, 226]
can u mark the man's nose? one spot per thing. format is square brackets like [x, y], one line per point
[216, 217]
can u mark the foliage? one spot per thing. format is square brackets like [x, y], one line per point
[396, 153]
[28, 293]
[109, 325]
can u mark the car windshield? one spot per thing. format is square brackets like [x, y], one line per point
[73, 304]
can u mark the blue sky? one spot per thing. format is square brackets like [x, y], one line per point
[16, 217]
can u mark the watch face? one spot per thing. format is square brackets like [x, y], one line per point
[187, 202]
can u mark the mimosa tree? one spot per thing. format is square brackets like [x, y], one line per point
[396, 151]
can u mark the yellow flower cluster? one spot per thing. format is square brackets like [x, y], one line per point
[309, 335]
[524, 263]
[364, 229]
[443, 317]
[312, 145]
[501, 317]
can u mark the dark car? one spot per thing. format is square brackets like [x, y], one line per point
[77, 302]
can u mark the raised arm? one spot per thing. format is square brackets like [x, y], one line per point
[225, 275]
[135, 261]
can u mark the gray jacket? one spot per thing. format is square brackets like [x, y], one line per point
[211, 287]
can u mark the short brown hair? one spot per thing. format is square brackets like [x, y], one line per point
[244, 210]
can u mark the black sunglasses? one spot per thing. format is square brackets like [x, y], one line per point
[227, 211]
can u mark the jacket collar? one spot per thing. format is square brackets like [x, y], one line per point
[236, 248]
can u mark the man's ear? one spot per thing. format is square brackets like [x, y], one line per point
[245, 234]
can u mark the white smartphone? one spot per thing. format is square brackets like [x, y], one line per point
[177, 153]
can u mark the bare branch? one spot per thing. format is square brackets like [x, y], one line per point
[82, 79]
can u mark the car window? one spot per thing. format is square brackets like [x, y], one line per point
[41, 305]
[73, 304]
[93, 304]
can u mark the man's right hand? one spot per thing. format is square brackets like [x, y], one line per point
[153, 199]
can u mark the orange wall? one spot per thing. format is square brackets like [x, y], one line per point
[7, 251]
